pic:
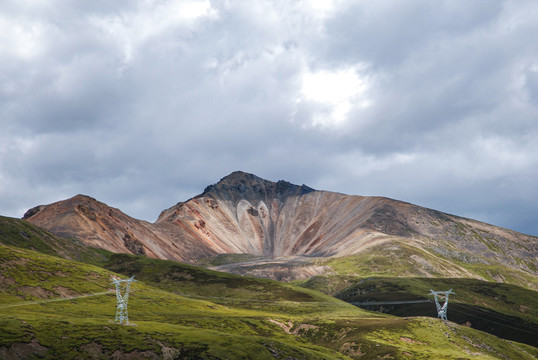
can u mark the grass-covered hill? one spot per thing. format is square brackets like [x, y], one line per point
[23, 234]
[507, 311]
[396, 258]
[53, 308]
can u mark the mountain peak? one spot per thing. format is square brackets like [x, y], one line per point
[240, 177]
[68, 203]
[241, 185]
[82, 197]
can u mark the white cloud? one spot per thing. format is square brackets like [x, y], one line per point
[150, 20]
[338, 90]
[434, 103]
[23, 39]
[323, 8]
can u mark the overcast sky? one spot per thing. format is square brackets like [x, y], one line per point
[143, 103]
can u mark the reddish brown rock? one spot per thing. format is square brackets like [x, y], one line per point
[246, 214]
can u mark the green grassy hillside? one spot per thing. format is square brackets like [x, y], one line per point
[54, 308]
[21, 233]
[397, 259]
[223, 288]
[505, 310]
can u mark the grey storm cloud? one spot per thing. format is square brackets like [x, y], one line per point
[143, 104]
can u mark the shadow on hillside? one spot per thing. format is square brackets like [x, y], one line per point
[477, 317]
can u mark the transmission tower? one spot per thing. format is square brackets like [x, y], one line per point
[122, 316]
[441, 310]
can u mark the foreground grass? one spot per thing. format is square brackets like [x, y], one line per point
[183, 312]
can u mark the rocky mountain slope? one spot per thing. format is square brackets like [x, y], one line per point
[244, 214]
[98, 225]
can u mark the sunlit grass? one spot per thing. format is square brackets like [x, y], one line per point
[179, 311]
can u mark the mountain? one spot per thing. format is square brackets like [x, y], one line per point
[98, 225]
[295, 232]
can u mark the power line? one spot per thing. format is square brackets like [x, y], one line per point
[372, 303]
[496, 322]
[55, 300]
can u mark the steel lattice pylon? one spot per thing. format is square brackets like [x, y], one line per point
[122, 315]
[441, 310]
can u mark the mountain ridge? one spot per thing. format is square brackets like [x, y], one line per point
[245, 214]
